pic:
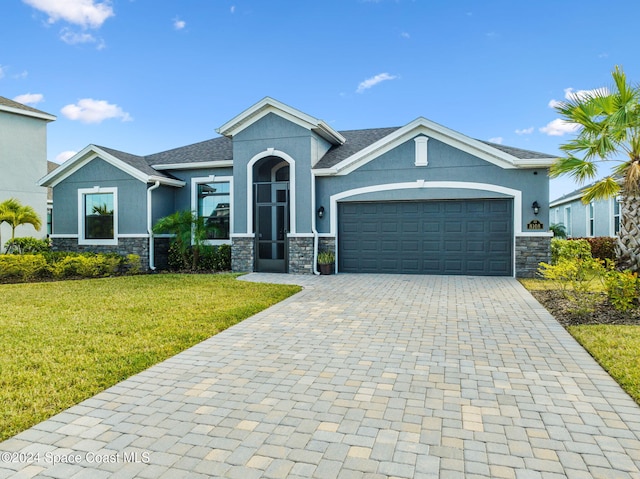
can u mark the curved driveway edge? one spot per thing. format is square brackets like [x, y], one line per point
[357, 376]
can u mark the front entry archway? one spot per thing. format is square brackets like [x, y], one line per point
[271, 215]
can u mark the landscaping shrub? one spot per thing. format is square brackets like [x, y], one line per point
[23, 267]
[603, 247]
[569, 249]
[621, 287]
[211, 258]
[28, 267]
[573, 277]
[27, 245]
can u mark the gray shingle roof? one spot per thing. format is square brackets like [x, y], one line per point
[221, 148]
[215, 149]
[19, 106]
[138, 162]
[518, 152]
[356, 140]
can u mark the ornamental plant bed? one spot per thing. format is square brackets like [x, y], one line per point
[603, 313]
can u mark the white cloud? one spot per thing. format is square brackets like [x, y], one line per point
[496, 139]
[233, 9]
[525, 131]
[21, 76]
[370, 82]
[405, 35]
[559, 127]
[64, 156]
[85, 13]
[29, 98]
[73, 38]
[179, 24]
[571, 94]
[89, 110]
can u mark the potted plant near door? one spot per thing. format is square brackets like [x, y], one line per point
[326, 262]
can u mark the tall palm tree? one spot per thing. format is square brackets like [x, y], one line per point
[16, 214]
[608, 122]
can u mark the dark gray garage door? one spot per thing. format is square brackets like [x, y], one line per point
[471, 237]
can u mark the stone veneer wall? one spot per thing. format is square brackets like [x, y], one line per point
[125, 246]
[242, 254]
[326, 244]
[530, 251]
[301, 255]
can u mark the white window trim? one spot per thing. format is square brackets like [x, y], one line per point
[612, 208]
[591, 220]
[82, 192]
[194, 201]
[568, 221]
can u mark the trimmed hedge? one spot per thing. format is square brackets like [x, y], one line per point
[59, 265]
[212, 258]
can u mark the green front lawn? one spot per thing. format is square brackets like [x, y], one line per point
[62, 342]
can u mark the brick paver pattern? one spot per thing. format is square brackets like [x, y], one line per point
[357, 376]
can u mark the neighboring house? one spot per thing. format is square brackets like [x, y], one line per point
[597, 218]
[23, 160]
[280, 185]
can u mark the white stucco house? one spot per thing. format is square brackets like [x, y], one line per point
[23, 160]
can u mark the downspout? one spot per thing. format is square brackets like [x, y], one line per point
[152, 265]
[313, 223]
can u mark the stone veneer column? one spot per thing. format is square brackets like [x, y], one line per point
[530, 252]
[242, 254]
[301, 255]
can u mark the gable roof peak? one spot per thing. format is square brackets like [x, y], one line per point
[270, 105]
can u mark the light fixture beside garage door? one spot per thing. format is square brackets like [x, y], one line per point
[536, 208]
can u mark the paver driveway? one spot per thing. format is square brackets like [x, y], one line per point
[357, 376]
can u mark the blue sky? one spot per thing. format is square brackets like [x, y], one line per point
[145, 76]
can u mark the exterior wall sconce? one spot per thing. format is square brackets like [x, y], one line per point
[536, 208]
[321, 212]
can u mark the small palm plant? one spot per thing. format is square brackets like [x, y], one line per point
[16, 214]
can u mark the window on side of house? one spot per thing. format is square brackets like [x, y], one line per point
[97, 222]
[214, 207]
[616, 215]
[567, 220]
[591, 220]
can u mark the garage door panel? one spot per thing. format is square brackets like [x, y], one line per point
[429, 237]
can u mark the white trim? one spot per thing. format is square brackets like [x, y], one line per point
[90, 153]
[516, 195]
[195, 181]
[590, 207]
[542, 235]
[82, 192]
[269, 105]
[292, 186]
[242, 235]
[422, 126]
[422, 158]
[63, 236]
[570, 199]
[19, 111]
[194, 166]
[133, 235]
[300, 235]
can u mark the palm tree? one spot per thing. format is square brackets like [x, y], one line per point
[608, 124]
[15, 214]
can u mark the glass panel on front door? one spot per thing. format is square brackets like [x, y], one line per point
[271, 226]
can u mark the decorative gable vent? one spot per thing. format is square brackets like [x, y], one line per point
[421, 150]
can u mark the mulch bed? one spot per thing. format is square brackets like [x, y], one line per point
[604, 312]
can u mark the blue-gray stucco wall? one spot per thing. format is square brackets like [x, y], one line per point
[445, 163]
[132, 212]
[273, 131]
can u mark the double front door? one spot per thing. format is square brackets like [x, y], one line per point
[271, 202]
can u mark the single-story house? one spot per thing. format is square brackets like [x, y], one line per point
[596, 218]
[280, 185]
